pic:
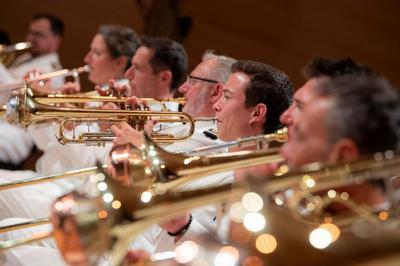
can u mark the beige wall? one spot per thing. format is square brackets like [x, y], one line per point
[283, 33]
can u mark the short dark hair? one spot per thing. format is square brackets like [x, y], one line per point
[56, 24]
[329, 67]
[366, 109]
[269, 86]
[168, 55]
[120, 41]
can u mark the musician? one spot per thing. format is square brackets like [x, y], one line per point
[158, 68]
[45, 35]
[202, 89]
[319, 68]
[349, 116]
[253, 98]
[109, 57]
[111, 52]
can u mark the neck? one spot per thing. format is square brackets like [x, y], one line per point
[250, 133]
[164, 93]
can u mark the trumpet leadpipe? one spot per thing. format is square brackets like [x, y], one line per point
[56, 74]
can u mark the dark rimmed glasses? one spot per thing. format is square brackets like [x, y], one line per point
[191, 80]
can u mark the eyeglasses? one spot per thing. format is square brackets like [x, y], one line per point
[192, 79]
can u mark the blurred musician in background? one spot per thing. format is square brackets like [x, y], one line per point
[158, 68]
[57, 157]
[347, 117]
[45, 34]
[317, 69]
[110, 54]
[111, 51]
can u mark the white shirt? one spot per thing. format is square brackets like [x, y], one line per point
[31, 202]
[15, 143]
[31, 255]
[44, 63]
[155, 239]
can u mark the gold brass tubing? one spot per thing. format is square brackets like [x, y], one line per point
[42, 179]
[24, 225]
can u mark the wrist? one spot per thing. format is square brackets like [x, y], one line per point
[183, 229]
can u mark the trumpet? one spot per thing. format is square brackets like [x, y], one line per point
[8, 52]
[57, 99]
[75, 72]
[259, 141]
[24, 110]
[88, 228]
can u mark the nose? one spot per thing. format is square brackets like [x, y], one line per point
[129, 73]
[217, 106]
[184, 87]
[286, 117]
[87, 58]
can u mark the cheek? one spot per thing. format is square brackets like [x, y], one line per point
[291, 152]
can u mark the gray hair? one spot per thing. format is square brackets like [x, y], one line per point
[222, 65]
[366, 109]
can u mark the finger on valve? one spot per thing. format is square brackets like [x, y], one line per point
[70, 88]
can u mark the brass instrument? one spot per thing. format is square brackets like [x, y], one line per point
[154, 169]
[259, 141]
[57, 99]
[158, 170]
[56, 74]
[87, 228]
[8, 52]
[24, 110]
[48, 178]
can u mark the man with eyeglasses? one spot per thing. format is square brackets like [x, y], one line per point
[202, 89]
[253, 97]
[44, 34]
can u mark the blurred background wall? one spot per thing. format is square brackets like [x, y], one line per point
[284, 33]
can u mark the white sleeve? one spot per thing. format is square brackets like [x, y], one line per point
[15, 143]
[31, 255]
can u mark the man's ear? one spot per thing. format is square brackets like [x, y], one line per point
[165, 76]
[259, 114]
[344, 150]
[217, 92]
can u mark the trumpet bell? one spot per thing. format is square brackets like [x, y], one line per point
[154, 169]
[21, 107]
